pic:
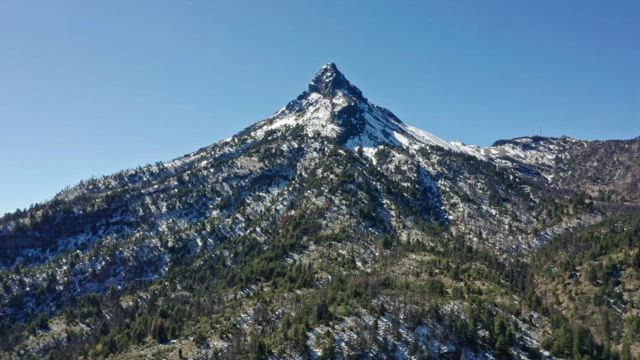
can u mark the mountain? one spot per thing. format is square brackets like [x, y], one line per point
[334, 229]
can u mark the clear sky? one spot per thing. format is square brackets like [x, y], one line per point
[91, 87]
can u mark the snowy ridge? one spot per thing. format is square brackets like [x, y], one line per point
[536, 152]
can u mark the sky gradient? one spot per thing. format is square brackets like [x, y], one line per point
[89, 88]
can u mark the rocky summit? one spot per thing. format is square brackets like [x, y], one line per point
[332, 229]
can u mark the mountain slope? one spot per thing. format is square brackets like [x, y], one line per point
[332, 198]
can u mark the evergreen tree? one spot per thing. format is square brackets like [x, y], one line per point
[261, 352]
[626, 351]
[636, 261]
[159, 331]
[501, 347]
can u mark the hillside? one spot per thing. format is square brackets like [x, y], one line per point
[332, 229]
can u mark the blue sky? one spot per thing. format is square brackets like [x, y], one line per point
[88, 88]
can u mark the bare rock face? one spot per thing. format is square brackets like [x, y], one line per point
[328, 80]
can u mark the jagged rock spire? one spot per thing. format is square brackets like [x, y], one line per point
[329, 79]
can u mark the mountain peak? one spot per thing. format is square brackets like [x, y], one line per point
[333, 107]
[329, 79]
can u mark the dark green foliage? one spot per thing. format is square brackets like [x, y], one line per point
[503, 335]
[261, 352]
[321, 313]
[633, 328]
[387, 242]
[200, 340]
[41, 322]
[626, 351]
[159, 331]
[501, 347]
[636, 260]
[435, 287]
[592, 274]
[591, 250]
[572, 341]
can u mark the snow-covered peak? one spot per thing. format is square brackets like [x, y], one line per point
[333, 107]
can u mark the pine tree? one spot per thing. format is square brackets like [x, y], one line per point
[262, 352]
[159, 331]
[501, 348]
[636, 260]
[626, 351]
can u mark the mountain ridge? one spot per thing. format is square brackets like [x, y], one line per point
[329, 190]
